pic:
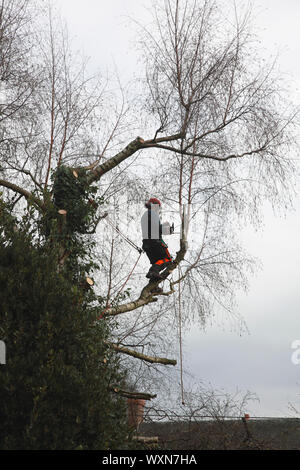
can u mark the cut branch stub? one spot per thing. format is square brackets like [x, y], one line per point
[62, 212]
[89, 281]
[75, 173]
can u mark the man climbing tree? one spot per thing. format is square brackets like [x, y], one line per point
[153, 244]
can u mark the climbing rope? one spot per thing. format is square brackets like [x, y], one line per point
[124, 284]
[180, 337]
[131, 243]
[129, 276]
[180, 334]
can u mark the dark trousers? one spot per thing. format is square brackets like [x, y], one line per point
[157, 251]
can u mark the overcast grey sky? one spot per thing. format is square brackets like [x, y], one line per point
[261, 360]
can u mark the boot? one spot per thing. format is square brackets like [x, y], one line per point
[169, 265]
[157, 290]
[153, 272]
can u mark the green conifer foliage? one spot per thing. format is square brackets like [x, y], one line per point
[55, 384]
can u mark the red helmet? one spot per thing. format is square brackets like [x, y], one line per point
[153, 200]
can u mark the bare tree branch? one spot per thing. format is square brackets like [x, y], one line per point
[129, 150]
[133, 395]
[143, 357]
[29, 196]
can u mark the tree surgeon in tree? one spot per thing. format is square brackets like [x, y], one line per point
[153, 244]
[223, 136]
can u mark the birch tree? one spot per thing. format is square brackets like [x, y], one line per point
[217, 142]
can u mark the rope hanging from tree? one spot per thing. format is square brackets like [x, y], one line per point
[179, 316]
[124, 284]
[129, 276]
[130, 242]
[180, 337]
